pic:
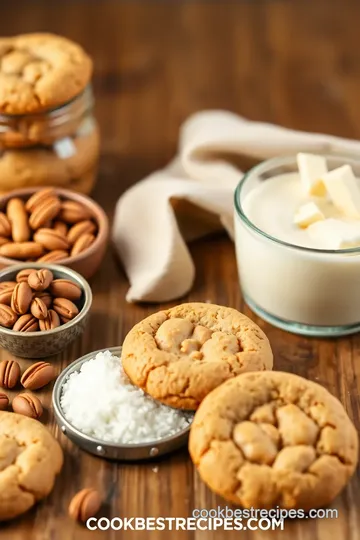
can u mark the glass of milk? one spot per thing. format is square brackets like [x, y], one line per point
[287, 278]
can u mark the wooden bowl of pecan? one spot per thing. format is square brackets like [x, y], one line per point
[52, 225]
[42, 309]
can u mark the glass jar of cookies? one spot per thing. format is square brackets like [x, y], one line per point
[48, 132]
[58, 147]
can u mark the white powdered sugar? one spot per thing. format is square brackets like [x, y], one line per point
[100, 401]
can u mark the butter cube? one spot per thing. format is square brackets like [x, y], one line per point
[312, 169]
[307, 214]
[335, 234]
[344, 191]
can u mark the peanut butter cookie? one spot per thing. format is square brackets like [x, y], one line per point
[30, 459]
[178, 356]
[40, 71]
[28, 168]
[272, 438]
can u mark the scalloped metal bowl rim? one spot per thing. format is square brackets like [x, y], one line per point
[98, 214]
[56, 268]
[60, 417]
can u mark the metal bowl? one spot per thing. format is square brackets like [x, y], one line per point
[114, 451]
[42, 344]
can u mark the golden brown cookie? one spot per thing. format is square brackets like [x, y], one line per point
[30, 459]
[40, 71]
[272, 438]
[24, 168]
[178, 356]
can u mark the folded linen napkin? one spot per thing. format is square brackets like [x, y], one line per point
[147, 236]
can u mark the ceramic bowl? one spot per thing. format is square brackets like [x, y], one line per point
[50, 342]
[87, 262]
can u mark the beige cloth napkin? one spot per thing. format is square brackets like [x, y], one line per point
[146, 233]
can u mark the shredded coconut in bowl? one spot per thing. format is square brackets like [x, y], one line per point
[100, 401]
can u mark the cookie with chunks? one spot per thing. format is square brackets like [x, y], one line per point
[30, 459]
[181, 354]
[273, 439]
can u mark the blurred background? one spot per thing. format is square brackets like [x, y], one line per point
[292, 62]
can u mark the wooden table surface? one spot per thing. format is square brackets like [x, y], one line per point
[296, 63]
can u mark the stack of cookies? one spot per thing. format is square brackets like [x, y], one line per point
[49, 133]
[259, 438]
